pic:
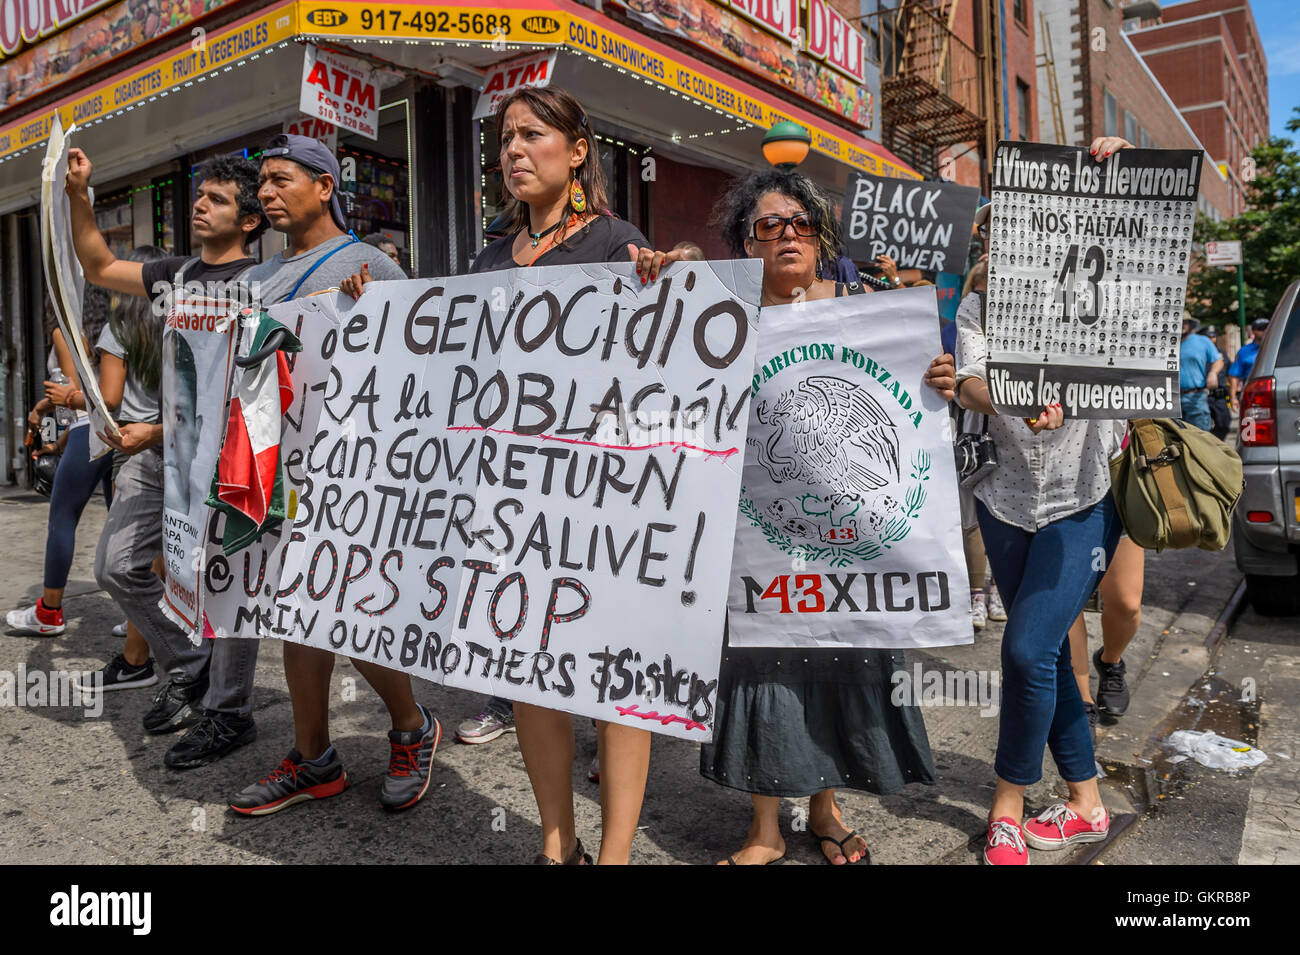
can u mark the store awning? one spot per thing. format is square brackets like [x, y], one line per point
[610, 67]
[179, 101]
[624, 77]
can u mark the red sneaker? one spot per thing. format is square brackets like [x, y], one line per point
[1061, 826]
[1006, 844]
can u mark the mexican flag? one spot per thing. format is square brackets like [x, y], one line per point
[248, 486]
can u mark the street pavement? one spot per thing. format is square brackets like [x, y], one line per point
[81, 789]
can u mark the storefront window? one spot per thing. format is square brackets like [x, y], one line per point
[115, 223]
[168, 234]
[376, 182]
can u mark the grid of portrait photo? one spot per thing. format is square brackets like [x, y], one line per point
[1122, 303]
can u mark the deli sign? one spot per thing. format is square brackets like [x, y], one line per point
[822, 33]
[26, 22]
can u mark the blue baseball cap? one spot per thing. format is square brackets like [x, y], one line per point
[310, 154]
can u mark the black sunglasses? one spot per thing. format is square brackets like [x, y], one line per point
[771, 228]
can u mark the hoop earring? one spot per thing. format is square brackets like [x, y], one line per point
[577, 198]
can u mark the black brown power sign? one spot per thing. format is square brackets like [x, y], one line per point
[1087, 271]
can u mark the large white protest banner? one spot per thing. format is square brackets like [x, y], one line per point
[1087, 271]
[65, 281]
[198, 351]
[849, 530]
[522, 483]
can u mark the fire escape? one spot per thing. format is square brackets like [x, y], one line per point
[936, 90]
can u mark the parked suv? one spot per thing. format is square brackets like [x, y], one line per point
[1266, 523]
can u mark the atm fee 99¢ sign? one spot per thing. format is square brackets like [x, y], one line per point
[339, 91]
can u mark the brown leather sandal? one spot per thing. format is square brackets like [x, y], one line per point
[576, 857]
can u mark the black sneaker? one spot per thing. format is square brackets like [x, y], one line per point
[119, 675]
[291, 782]
[1112, 690]
[176, 706]
[211, 738]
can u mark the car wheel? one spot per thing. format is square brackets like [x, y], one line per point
[1274, 596]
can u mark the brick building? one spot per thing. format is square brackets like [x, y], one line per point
[1107, 89]
[1208, 56]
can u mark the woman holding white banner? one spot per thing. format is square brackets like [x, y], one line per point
[557, 217]
[802, 722]
[1050, 529]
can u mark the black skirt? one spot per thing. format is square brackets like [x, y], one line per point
[793, 722]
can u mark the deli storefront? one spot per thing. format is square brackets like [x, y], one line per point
[680, 94]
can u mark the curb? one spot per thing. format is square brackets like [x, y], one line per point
[1214, 641]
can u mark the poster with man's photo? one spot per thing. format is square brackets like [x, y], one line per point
[1087, 273]
[198, 349]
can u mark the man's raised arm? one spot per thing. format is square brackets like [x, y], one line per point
[101, 266]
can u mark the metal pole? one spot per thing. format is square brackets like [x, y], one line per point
[1241, 301]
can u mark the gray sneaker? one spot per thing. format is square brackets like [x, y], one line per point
[410, 765]
[485, 727]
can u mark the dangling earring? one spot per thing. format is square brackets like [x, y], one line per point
[577, 198]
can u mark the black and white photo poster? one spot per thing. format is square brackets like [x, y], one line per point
[920, 225]
[521, 483]
[1087, 272]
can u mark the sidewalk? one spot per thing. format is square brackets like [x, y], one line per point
[80, 789]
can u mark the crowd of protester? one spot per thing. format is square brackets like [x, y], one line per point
[787, 723]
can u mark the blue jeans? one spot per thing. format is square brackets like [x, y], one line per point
[1045, 579]
[74, 485]
[1196, 409]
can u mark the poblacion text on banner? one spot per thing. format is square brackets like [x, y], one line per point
[1087, 272]
[522, 483]
[849, 532]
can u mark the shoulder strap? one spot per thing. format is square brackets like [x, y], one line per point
[293, 293]
[1158, 459]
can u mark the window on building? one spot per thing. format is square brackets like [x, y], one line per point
[1130, 127]
[1112, 114]
[114, 220]
[1018, 10]
[1143, 139]
[1022, 109]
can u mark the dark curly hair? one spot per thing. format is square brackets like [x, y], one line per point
[244, 174]
[734, 213]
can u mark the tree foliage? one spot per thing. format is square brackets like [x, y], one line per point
[1269, 231]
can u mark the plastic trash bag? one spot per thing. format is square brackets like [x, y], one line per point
[1216, 752]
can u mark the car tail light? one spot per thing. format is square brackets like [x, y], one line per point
[1259, 413]
[1259, 517]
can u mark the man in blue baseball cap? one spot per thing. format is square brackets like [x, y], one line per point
[299, 195]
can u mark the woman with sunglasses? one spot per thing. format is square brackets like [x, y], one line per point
[801, 722]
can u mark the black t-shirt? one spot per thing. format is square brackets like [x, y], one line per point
[159, 276]
[605, 239]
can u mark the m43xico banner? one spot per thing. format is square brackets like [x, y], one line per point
[849, 532]
[1087, 271]
[522, 483]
